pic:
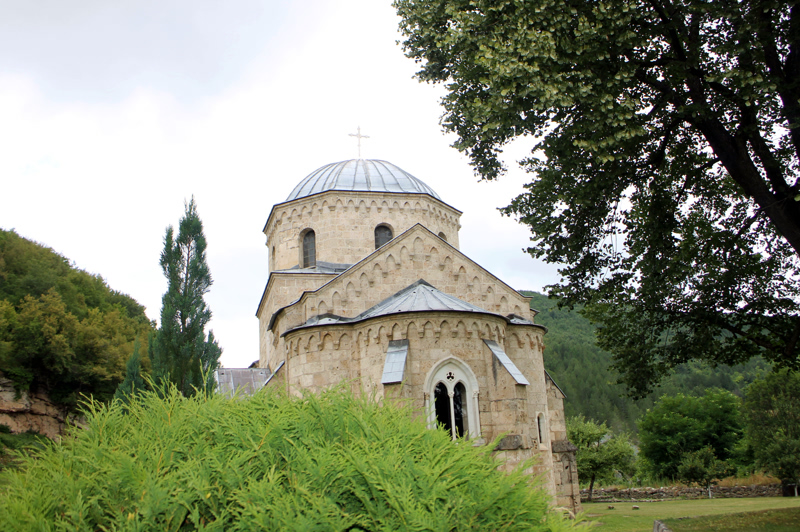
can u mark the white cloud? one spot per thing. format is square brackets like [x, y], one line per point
[99, 178]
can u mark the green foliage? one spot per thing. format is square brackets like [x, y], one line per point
[28, 269]
[582, 370]
[682, 424]
[12, 446]
[62, 330]
[601, 455]
[703, 468]
[772, 411]
[665, 159]
[266, 462]
[182, 354]
[133, 383]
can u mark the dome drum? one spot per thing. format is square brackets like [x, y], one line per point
[344, 204]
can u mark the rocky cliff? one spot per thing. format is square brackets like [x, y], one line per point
[30, 411]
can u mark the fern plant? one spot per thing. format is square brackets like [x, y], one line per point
[332, 461]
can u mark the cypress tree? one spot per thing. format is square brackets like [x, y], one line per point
[133, 382]
[182, 353]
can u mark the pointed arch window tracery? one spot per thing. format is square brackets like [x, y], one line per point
[452, 399]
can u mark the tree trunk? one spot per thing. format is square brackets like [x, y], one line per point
[709, 490]
[591, 487]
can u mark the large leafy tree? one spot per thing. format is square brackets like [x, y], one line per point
[682, 424]
[665, 141]
[772, 411]
[703, 467]
[45, 348]
[182, 353]
[63, 331]
[601, 454]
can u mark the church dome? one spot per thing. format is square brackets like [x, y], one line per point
[367, 175]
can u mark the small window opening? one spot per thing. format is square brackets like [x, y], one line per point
[309, 250]
[443, 236]
[382, 235]
[539, 420]
[442, 406]
[459, 410]
[450, 411]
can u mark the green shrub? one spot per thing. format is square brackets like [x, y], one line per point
[13, 446]
[271, 462]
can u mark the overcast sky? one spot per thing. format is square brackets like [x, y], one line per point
[114, 113]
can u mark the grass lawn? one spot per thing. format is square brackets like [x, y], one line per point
[625, 519]
[786, 520]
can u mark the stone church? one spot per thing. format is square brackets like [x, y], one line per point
[367, 285]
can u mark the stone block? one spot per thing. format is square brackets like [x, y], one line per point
[513, 442]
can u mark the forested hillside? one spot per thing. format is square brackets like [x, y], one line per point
[581, 370]
[62, 330]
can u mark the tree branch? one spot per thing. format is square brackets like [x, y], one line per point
[786, 77]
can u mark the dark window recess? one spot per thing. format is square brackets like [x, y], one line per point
[309, 250]
[459, 412]
[539, 421]
[443, 236]
[442, 405]
[382, 235]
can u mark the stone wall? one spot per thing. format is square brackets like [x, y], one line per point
[319, 357]
[417, 254]
[677, 492]
[658, 526]
[30, 411]
[344, 224]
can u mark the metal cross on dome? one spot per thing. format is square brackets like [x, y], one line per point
[359, 136]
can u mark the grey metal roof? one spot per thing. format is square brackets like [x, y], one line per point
[420, 296]
[243, 380]
[395, 366]
[360, 174]
[501, 355]
[518, 320]
[319, 267]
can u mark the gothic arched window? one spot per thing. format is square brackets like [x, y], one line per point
[309, 249]
[453, 399]
[383, 233]
[443, 236]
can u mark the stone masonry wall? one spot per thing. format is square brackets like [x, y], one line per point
[678, 492]
[282, 289]
[319, 357]
[344, 224]
[416, 254]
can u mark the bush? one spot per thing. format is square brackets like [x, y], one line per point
[270, 461]
[13, 446]
[684, 424]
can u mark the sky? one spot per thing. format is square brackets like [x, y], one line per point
[113, 114]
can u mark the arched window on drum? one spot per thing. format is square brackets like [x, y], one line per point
[309, 249]
[383, 233]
